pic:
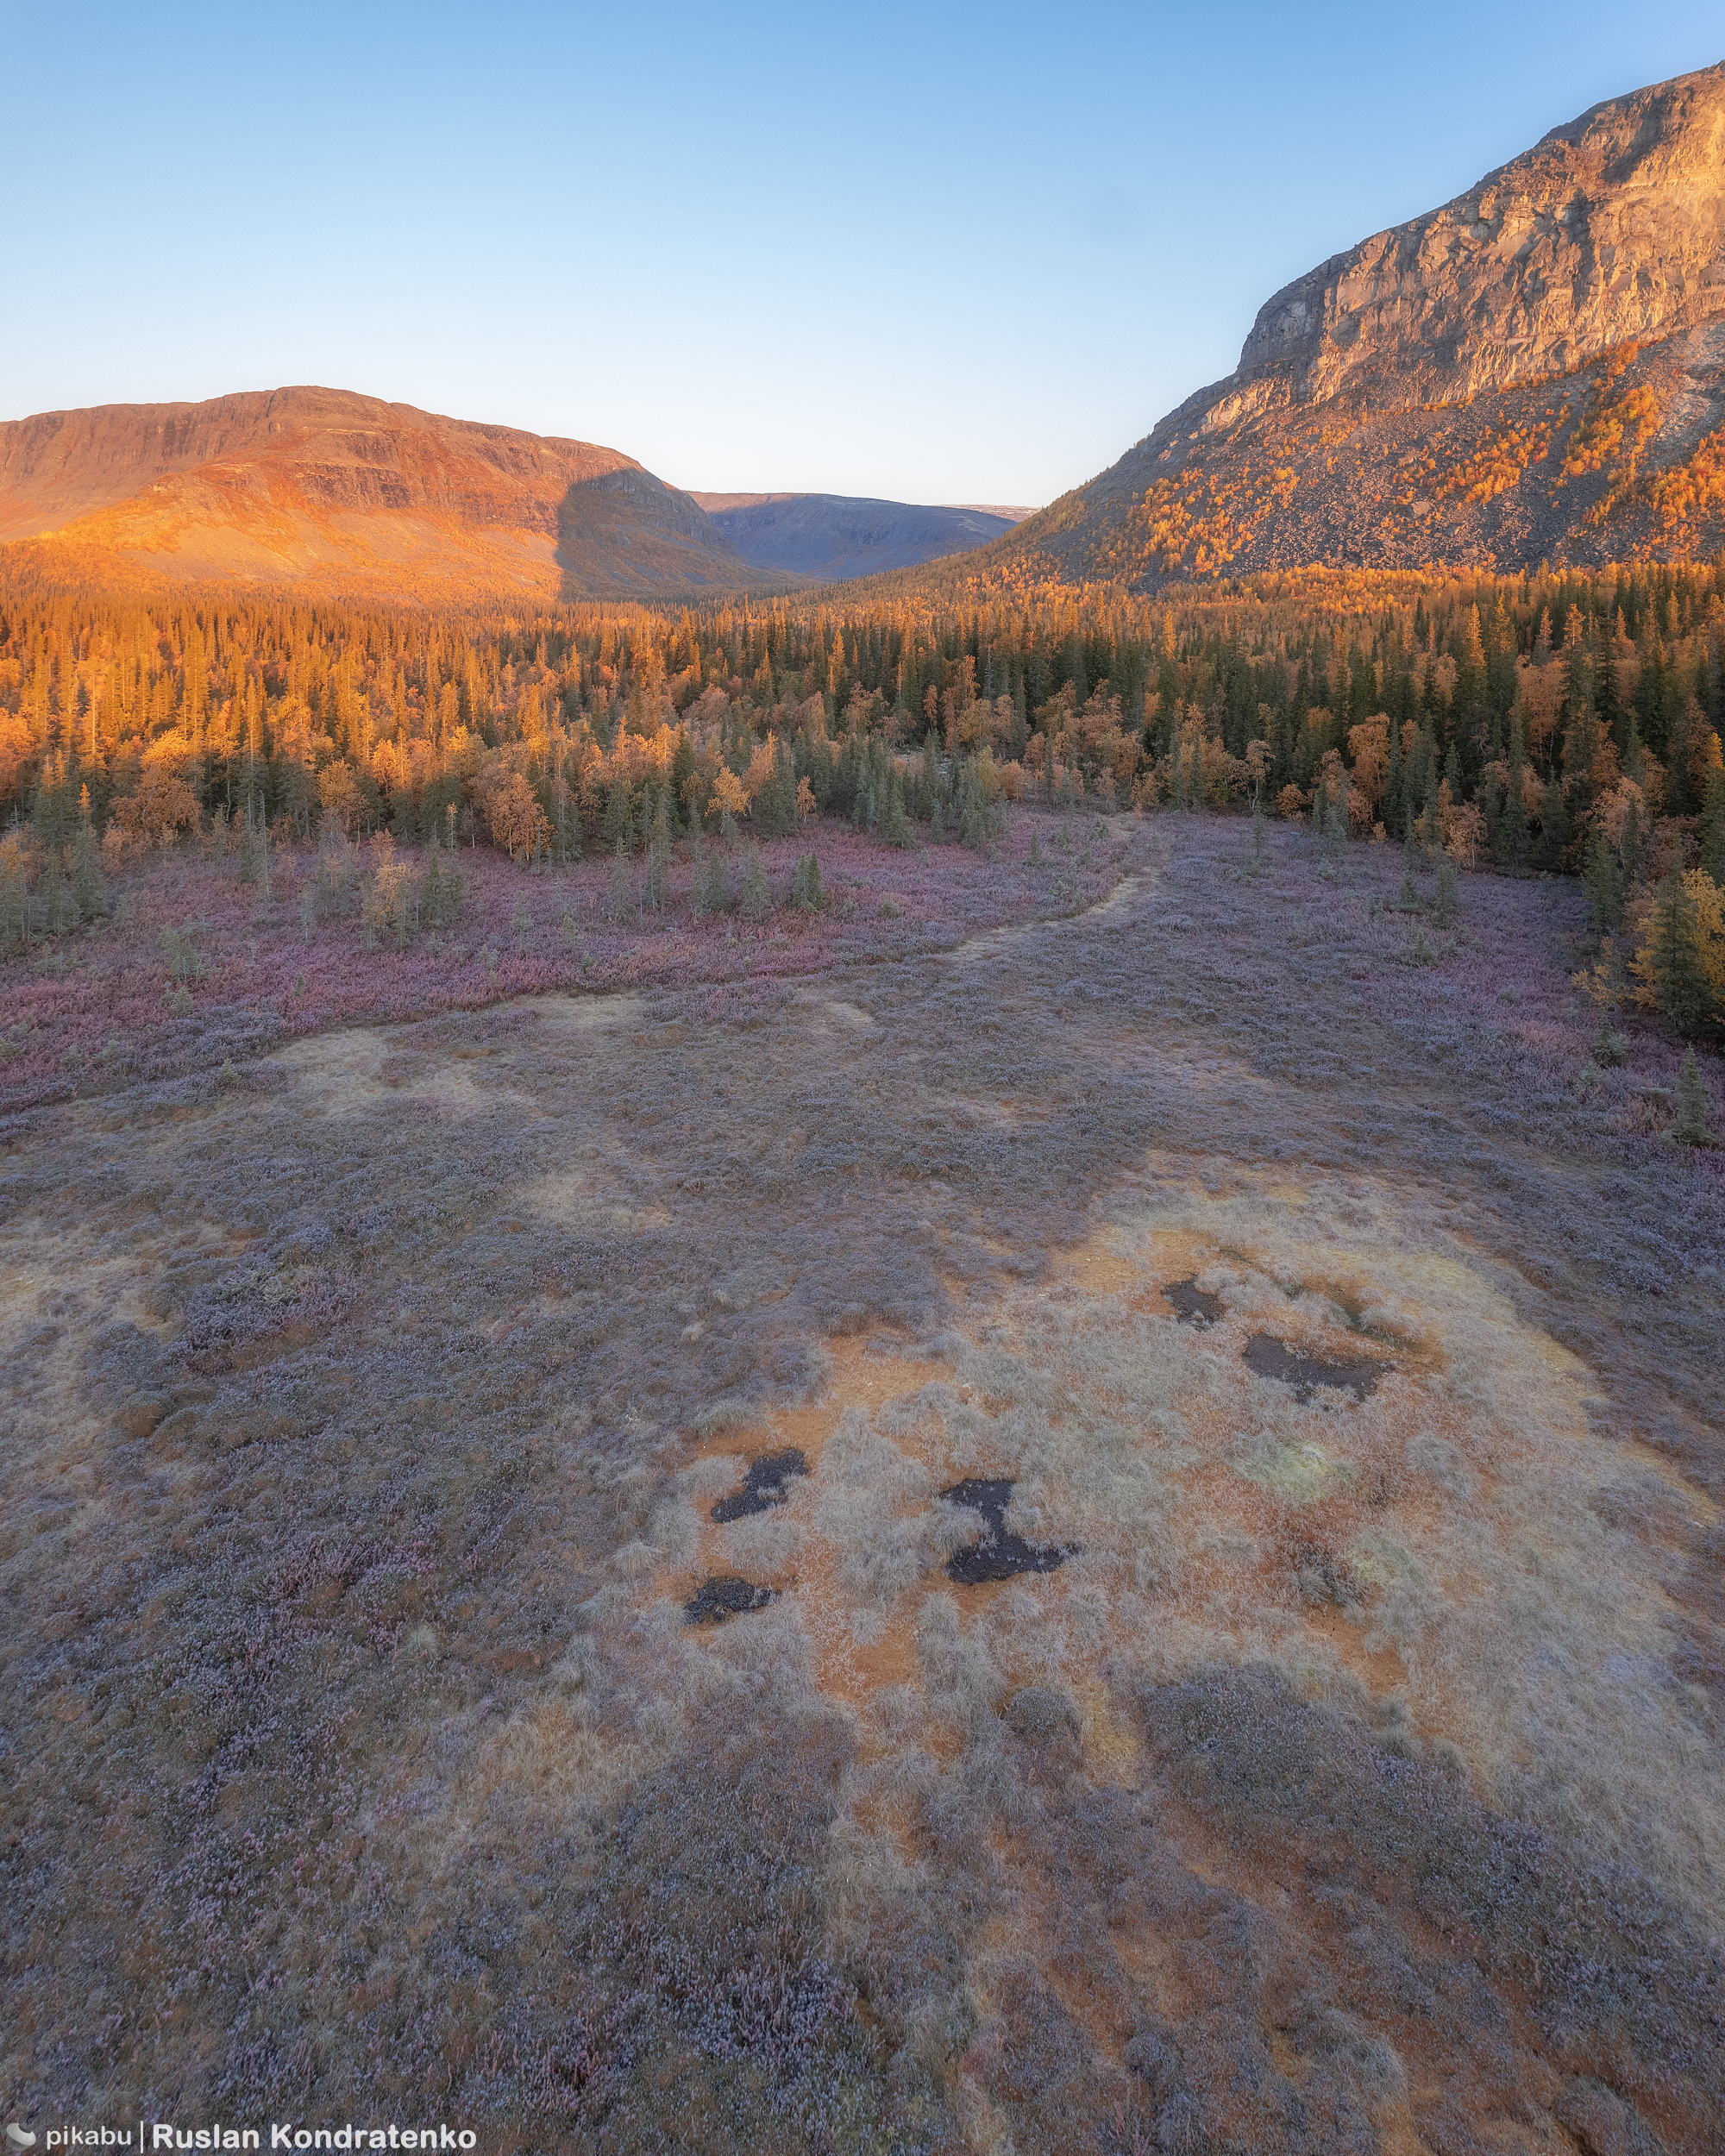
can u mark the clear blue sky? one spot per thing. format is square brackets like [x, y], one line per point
[938, 253]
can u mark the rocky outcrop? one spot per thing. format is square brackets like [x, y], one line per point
[1536, 370]
[343, 491]
[1610, 231]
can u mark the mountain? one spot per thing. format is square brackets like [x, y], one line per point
[324, 488]
[839, 535]
[1534, 371]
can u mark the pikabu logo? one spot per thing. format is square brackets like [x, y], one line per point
[19, 2137]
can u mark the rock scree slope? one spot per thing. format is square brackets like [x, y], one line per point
[1536, 370]
[341, 492]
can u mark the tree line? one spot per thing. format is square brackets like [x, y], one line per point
[1568, 722]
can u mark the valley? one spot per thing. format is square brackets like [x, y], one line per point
[832, 1324]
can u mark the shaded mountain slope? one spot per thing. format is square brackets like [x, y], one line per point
[835, 536]
[327, 488]
[1536, 370]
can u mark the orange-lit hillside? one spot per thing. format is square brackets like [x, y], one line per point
[1534, 372]
[340, 492]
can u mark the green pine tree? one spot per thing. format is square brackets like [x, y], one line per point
[1693, 1126]
[1672, 961]
[1604, 884]
[619, 893]
[895, 825]
[928, 783]
[1555, 827]
[1512, 824]
[1392, 779]
[758, 900]
[84, 864]
[618, 822]
[658, 865]
[698, 873]
[1713, 829]
[713, 892]
[972, 821]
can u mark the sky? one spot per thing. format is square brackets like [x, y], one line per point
[933, 252]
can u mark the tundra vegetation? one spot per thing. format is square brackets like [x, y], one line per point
[755, 1417]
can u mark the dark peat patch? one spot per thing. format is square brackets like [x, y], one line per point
[1271, 1358]
[717, 1599]
[763, 1486]
[998, 1555]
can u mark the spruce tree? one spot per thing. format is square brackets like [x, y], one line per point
[1512, 824]
[928, 794]
[1604, 888]
[617, 823]
[698, 873]
[1630, 846]
[710, 893]
[895, 825]
[1713, 829]
[1692, 1126]
[1555, 827]
[1609, 1049]
[1672, 961]
[972, 823]
[659, 853]
[756, 897]
[85, 865]
[618, 892]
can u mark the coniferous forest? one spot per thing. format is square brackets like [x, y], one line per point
[1566, 725]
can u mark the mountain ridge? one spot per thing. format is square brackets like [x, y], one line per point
[837, 537]
[334, 490]
[1533, 370]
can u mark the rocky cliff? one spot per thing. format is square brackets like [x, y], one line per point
[342, 491]
[1536, 370]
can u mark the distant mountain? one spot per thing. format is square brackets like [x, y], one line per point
[1536, 370]
[834, 536]
[1013, 516]
[324, 488]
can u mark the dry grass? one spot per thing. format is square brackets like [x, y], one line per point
[1354, 1785]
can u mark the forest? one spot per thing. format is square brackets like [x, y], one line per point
[1566, 724]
